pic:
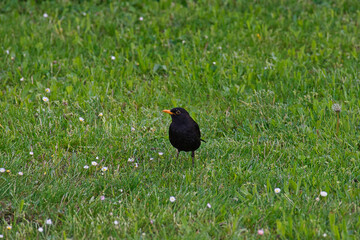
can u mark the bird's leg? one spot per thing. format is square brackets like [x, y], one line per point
[193, 157]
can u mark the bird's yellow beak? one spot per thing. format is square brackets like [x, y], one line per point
[168, 111]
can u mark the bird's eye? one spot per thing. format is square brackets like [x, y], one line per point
[178, 112]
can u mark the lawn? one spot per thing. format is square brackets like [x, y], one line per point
[84, 148]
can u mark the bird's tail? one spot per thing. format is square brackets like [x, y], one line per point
[202, 140]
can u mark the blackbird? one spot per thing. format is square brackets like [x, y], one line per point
[184, 132]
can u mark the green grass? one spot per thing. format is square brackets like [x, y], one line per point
[264, 108]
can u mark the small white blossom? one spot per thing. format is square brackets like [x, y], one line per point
[104, 169]
[219, 47]
[121, 190]
[323, 193]
[45, 15]
[31, 153]
[113, 58]
[81, 119]
[9, 227]
[86, 166]
[40, 229]
[2, 170]
[130, 160]
[183, 41]
[317, 199]
[102, 198]
[94, 163]
[48, 221]
[132, 129]
[151, 159]
[208, 205]
[336, 107]
[45, 99]
[100, 114]
[97, 158]
[47, 90]
[172, 199]
[277, 190]
[136, 165]
[324, 235]
[261, 232]
[22, 79]
[214, 63]
[1, 236]
[161, 153]
[83, 13]
[141, 18]
[7, 52]
[20, 173]
[116, 222]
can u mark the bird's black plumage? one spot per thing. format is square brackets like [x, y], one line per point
[184, 132]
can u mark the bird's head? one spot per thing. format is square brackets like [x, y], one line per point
[178, 114]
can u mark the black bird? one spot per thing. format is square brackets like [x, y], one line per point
[184, 132]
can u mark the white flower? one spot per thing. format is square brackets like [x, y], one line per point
[277, 190]
[97, 158]
[83, 13]
[121, 190]
[161, 153]
[48, 221]
[94, 163]
[86, 166]
[336, 107]
[2, 170]
[31, 153]
[81, 119]
[100, 114]
[116, 222]
[323, 193]
[102, 198]
[9, 227]
[45, 99]
[141, 18]
[45, 15]
[261, 232]
[104, 169]
[219, 47]
[1, 236]
[136, 165]
[20, 173]
[214, 63]
[130, 160]
[7, 52]
[206, 37]
[40, 229]
[132, 129]
[113, 58]
[172, 199]
[22, 79]
[151, 159]
[47, 90]
[324, 235]
[183, 41]
[317, 199]
[208, 205]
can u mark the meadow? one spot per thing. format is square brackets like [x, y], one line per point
[84, 149]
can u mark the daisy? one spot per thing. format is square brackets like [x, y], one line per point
[22, 79]
[45, 15]
[208, 205]
[261, 232]
[20, 173]
[40, 229]
[277, 190]
[81, 119]
[214, 63]
[136, 165]
[94, 163]
[219, 47]
[113, 58]
[183, 41]
[132, 129]
[48, 221]
[172, 199]
[1, 236]
[317, 199]
[141, 18]
[104, 169]
[31, 153]
[86, 166]
[9, 227]
[7, 52]
[151, 159]
[161, 153]
[100, 114]
[2, 170]
[45, 99]
[130, 160]
[47, 90]
[116, 222]
[323, 193]
[97, 158]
